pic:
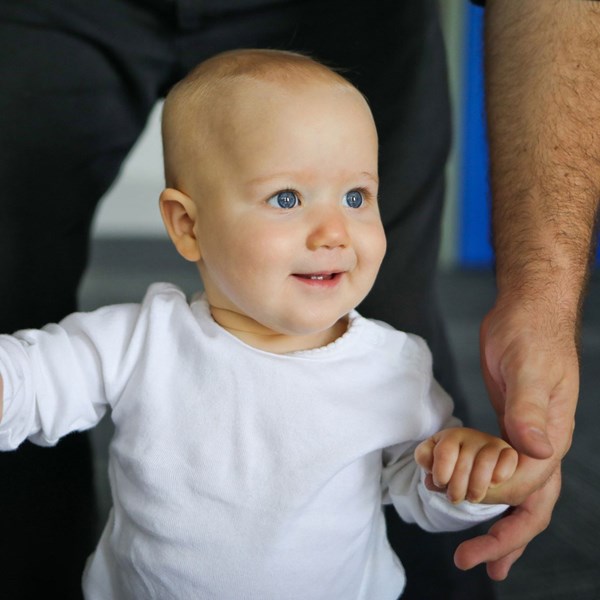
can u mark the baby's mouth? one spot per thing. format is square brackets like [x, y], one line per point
[317, 276]
[323, 279]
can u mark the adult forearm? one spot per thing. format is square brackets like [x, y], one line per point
[543, 106]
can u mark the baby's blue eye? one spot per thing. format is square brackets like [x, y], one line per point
[353, 199]
[287, 199]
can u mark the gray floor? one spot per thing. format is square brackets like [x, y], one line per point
[561, 564]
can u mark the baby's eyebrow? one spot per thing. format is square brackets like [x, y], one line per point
[267, 178]
[291, 175]
[371, 176]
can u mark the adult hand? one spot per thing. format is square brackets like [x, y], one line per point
[530, 367]
[508, 537]
[531, 370]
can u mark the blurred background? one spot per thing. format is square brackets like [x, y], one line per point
[130, 250]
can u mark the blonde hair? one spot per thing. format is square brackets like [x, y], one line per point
[205, 88]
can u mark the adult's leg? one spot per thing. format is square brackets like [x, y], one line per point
[393, 52]
[69, 113]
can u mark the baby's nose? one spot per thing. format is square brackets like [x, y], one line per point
[330, 231]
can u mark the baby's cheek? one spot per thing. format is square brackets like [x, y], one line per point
[375, 251]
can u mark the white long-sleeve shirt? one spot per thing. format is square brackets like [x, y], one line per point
[237, 473]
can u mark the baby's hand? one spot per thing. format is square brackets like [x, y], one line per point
[465, 463]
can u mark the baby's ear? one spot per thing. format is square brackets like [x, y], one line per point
[179, 216]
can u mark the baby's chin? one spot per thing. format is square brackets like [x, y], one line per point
[284, 331]
[328, 331]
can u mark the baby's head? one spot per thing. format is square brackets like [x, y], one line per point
[271, 173]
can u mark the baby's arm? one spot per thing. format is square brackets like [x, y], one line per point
[466, 463]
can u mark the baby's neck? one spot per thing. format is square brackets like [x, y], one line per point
[258, 336]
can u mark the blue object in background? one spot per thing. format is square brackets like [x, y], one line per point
[474, 247]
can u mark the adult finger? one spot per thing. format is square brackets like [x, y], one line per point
[507, 538]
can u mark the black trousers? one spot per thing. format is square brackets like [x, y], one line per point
[78, 82]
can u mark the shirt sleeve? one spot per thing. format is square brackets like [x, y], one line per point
[403, 480]
[55, 378]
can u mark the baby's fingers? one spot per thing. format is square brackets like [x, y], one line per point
[445, 456]
[484, 469]
[492, 466]
[424, 454]
[506, 466]
[458, 485]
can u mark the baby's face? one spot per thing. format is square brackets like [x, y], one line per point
[288, 225]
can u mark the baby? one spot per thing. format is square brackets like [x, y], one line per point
[260, 428]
